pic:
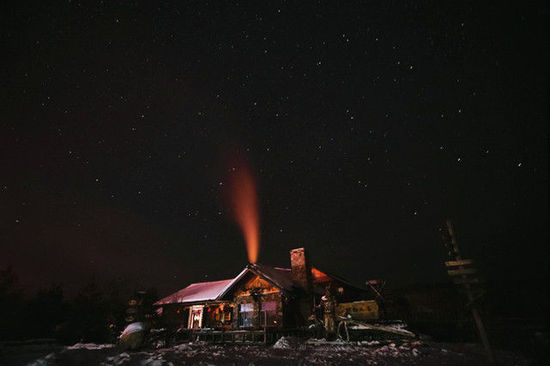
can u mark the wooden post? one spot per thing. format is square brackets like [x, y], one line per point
[265, 326]
[470, 295]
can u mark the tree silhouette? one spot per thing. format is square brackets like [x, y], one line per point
[11, 300]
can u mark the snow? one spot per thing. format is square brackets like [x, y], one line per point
[197, 292]
[398, 328]
[369, 343]
[288, 343]
[89, 346]
[322, 351]
[45, 361]
[287, 351]
[133, 328]
[116, 360]
[156, 361]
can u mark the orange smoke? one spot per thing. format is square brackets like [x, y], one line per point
[244, 206]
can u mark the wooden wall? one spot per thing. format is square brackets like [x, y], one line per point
[254, 292]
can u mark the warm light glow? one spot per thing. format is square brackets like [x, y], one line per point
[244, 206]
[319, 276]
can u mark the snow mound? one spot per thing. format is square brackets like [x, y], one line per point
[288, 343]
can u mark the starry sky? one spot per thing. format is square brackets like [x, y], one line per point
[367, 125]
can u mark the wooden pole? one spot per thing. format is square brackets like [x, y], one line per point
[471, 298]
[265, 326]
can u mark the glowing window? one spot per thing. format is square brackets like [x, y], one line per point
[269, 306]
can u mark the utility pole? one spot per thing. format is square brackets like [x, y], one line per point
[461, 271]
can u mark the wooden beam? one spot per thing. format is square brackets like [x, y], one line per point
[462, 262]
[471, 299]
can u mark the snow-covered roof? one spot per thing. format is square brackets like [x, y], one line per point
[197, 292]
[215, 290]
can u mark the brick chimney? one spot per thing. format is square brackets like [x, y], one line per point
[300, 269]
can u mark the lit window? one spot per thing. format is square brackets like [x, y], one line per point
[246, 315]
[227, 314]
[269, 306]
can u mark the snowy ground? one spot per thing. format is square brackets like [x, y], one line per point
[287, 351]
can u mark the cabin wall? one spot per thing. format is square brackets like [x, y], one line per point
[218, 316]
[255, 299]
[270, 304]
[215, 316]
[175, 315]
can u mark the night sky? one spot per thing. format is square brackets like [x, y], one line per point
[367, 125]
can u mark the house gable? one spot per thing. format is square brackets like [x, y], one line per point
[254, 285]
[257, 300]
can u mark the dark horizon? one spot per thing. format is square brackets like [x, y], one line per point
[367, 127]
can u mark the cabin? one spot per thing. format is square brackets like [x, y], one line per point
[259, 297]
